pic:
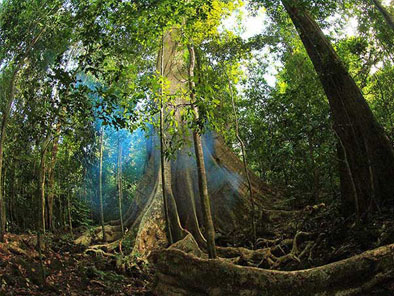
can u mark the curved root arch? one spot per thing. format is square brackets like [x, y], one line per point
[181, 270]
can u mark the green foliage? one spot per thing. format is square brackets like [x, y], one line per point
[288, 129]
[81, 64]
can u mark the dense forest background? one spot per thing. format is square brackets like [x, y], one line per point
[85, 102]
[63, 89]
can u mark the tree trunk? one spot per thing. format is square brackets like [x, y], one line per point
[120, 189]
[4, 122]
[92, 194]
[315, 185]
[61, 213]
[162, 152]
[42, 194]
[386, 15]
[5, 193]
[41, 185]
[225, 177]
[369, 154]
[201, 172]
[51, 177]
[245, 164]
[101, 183]
[70, 221]
[11, 201]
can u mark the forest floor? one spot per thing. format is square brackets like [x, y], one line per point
[68, 270]
[74, 270]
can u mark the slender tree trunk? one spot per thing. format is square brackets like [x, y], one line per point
[92, 194]
[17, 193]
[42, 194]
[386, 15]
[4, 122]
[65, 211]
[101, 183]
[369, 154]
[314, 170]
[51, 176]
[41, 205]
[201, 172]
[61, 212]
[70, 222]
[5, 193]
[11, 200]
[245, 163]
[84, 189]
[39, 246]
[120, 189]
[42, 177]
[68, 186]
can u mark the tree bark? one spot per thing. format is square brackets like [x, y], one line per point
[120, 188]
[226, 183]
[101, 183]
[51, 177]
[41, 184]
[4, 122]
[369, 153]
[201, 172]
[11, 202]
[70, 221]
[162, 154]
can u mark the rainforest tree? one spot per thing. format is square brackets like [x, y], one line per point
[150, 124]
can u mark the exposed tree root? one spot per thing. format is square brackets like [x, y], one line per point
[181, 273]
[270, 257]
[99, 252]
[90, 237]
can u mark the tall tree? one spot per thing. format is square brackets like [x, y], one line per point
[225, 179]
[27, 33]
[162, 152]
[41, 183]
[120, 185]
[101, 183]
[245, 163]
[368, 154]
[201, 171]
[4, 121]
[51, 178]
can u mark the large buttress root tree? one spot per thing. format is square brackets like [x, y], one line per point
[367, 154]
[227, 185]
